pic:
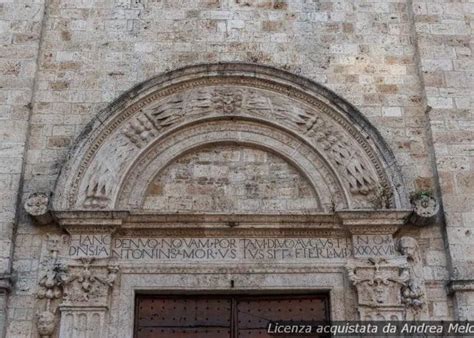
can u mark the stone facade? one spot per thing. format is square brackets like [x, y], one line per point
[398, 120]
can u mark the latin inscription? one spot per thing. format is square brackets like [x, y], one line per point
[373, 245]
[97, 245]
[210, 249]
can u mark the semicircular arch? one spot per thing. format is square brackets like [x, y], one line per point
[322, 135]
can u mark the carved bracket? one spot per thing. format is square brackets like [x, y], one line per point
[37, 206]
[425, 210]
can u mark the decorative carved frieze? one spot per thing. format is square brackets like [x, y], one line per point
[227, 100]
[100, 186]
[341, 152]
[140, 131]
[50, 287]
[52, 283]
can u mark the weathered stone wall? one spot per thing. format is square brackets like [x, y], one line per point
[231, 179]
[444, 37]
[367, 52]
[20, 32]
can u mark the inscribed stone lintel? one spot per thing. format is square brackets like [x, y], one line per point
[205, 249]
[372, 234]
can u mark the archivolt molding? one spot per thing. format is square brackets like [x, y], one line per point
[254, 134]
[327, 139]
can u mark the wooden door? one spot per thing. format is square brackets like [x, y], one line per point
[227, 316]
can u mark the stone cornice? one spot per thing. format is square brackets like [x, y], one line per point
[373, 221]
[460, 285]
[355, 221]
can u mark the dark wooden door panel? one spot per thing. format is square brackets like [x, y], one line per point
[177, 317]
[222, 316]
[254, 314]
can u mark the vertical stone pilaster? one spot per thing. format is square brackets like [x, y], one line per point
[3, 311]
[445, 62]
[83, 321]
[387, 277]
[4, 290]
[463, 292]
[85, 304]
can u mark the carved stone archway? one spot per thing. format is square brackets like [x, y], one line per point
[233, 151]
[350, 163]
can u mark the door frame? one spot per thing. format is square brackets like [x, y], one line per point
[330, 280]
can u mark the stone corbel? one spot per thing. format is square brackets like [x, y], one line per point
[425, 210]
[37, 206]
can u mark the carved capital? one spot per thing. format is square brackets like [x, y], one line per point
[390, 288]
[88, 284]
[378, 283]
